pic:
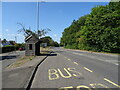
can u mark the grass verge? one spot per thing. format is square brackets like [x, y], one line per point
[46, 50]
[21, 61]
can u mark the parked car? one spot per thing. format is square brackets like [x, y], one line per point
[22, 48]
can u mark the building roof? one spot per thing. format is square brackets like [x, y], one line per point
[28, 37]
[31, 36]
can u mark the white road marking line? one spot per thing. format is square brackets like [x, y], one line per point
[64, 56]
[92, 57]
[76, 63]
[111, 82]
[88, 69]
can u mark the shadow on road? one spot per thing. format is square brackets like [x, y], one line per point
[51, 53]
[7, 57]
[48, 55]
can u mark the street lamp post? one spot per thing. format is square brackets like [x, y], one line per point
[38, 15]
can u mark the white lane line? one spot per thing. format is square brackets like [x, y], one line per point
[92, 57]
[64, 56]
[111, 82]
[88, 69]
[76, 63]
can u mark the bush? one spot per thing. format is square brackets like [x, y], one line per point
[8, 48]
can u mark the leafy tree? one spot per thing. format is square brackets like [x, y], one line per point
[4, 41]
[28, 32]
[56, 44]
[49, 41]
[12, 42]
[97, 31]
[70, 36]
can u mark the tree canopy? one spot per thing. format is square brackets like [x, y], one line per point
[28, 32]
[97, 31]
[49, 41]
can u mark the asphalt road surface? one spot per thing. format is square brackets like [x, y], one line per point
[77, 69]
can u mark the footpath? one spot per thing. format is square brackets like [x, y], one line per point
[19, 77]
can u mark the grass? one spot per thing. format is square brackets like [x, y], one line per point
[25, 59]
[45, 50]
[21, 61]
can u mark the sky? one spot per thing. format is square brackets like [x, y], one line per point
[53, 15]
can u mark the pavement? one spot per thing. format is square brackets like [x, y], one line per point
[19, 77]
[78, 69]
[8, 58]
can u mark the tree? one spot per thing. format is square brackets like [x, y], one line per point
[97, 31]
[101, 29]
[4, 41]
[12, 42]
[70, 36]
[28, 32]
[56, 44]
[49, 41]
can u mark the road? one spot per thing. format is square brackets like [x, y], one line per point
[77, 69]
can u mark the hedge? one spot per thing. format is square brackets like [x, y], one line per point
[7, 48]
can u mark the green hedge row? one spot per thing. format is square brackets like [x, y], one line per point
[8, 48]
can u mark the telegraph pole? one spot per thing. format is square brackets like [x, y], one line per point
[38, 19]
[38, 15]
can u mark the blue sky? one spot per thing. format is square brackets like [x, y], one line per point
[55, 16]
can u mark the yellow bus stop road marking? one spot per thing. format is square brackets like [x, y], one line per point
[88, 69]
[111, 82]
[66, 88]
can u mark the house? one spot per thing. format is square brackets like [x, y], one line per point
[5, 44]
[32, 46]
